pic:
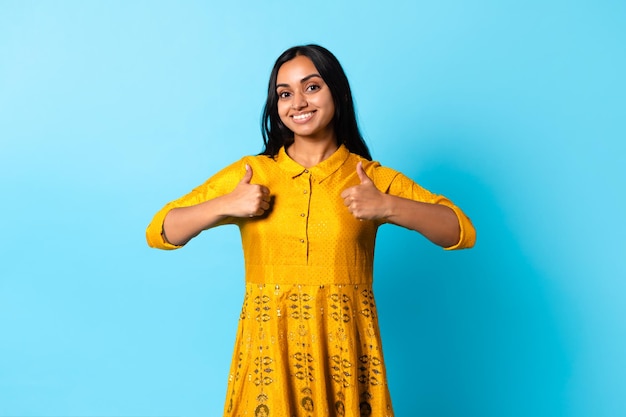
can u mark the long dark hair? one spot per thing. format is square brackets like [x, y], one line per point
[276, 134]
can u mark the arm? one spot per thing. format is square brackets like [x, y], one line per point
[178, 225]
[439, 221]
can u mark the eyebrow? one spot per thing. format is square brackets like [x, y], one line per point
[305, 79]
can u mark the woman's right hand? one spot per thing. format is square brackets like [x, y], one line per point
[247, 200]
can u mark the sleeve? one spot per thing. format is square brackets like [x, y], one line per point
[220, 184]
[395, 183]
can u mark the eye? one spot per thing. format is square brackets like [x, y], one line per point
[284, 94]
[313, 87]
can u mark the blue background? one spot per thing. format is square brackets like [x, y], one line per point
[515, 110]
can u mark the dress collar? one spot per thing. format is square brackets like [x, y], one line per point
[320, 171]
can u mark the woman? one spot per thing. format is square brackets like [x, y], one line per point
[308, 208]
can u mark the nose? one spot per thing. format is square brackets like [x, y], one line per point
[299, 101]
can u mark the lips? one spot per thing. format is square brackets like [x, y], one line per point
[301, 118]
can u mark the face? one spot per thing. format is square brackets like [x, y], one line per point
[305, 103]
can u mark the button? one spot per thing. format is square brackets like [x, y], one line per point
[302, 214]
[301, 240]
[304, 192]
[306, 171]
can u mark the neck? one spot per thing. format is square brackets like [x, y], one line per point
[309, 154]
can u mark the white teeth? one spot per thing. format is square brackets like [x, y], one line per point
[302, 116]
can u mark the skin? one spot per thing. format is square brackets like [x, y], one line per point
[303, 93]
[246, 200]
[306, 107]
[437, 223]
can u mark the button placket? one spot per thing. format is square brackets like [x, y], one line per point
[304, 212]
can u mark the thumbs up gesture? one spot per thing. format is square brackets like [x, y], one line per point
[248, 200]
[365, 201]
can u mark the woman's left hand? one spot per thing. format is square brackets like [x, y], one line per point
[365, 201]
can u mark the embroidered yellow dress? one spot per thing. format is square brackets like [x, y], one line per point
[308, 342]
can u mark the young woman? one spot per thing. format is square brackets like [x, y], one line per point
[308, 208]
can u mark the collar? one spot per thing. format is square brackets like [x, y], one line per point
[320, 171]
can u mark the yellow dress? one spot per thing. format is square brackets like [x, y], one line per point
[308, 342]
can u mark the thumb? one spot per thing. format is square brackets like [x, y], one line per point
[361, 173]
[248, 175]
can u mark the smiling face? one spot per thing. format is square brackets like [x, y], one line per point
[305, 103]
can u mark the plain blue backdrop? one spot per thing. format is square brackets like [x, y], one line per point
[515, 110]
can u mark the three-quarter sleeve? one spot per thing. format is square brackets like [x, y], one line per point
[398, 184]
[220, 184]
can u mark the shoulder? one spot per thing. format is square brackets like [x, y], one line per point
[238, 168]
[263, 168]
[382, 175]
[258, 160]
[229, 176]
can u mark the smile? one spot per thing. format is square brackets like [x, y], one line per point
[302, 117]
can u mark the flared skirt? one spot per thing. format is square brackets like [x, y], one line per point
[308, 351]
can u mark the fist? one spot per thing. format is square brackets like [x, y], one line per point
[249, 200]
[365, 201]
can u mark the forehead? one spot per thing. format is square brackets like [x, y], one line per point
[295, 70]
